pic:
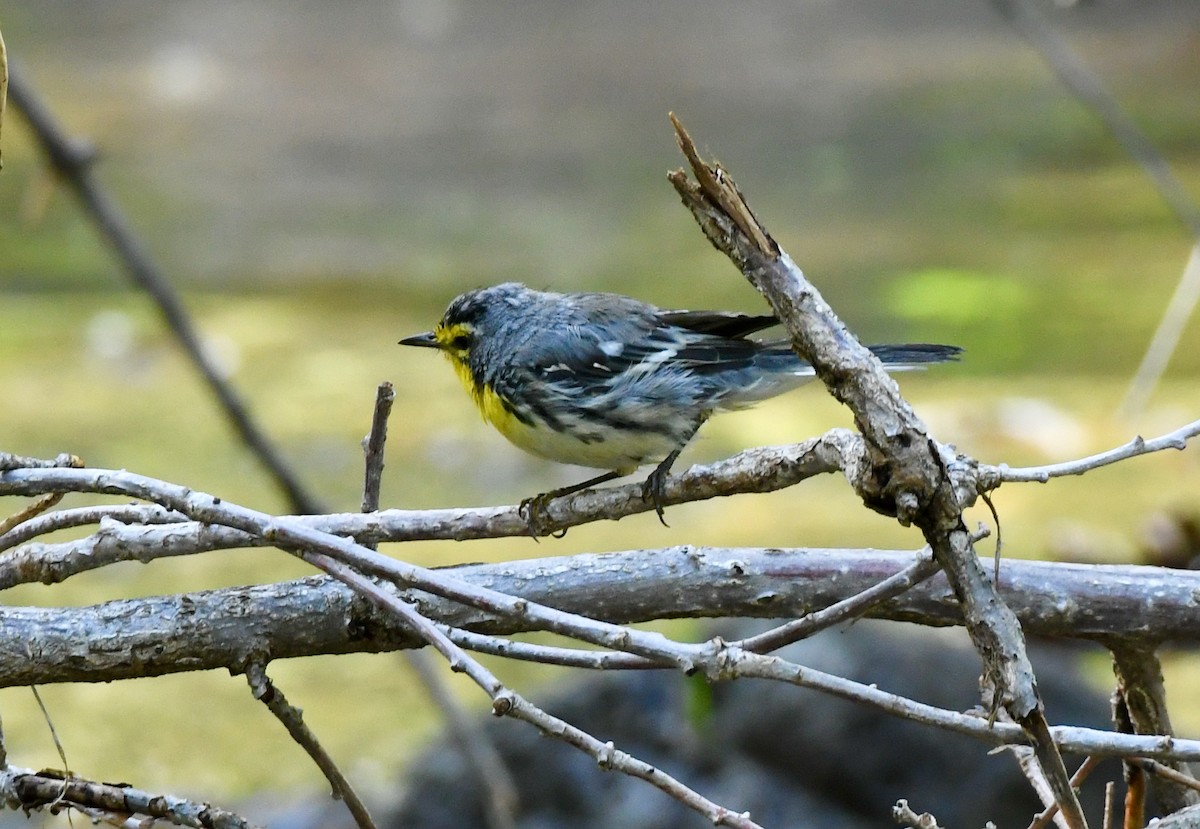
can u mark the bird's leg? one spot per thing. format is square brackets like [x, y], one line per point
[653, 488]
[533, 509]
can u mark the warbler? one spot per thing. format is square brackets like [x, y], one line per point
[608, 382]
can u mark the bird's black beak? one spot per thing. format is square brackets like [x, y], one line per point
[426, 340]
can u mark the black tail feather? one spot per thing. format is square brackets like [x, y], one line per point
[916, 353]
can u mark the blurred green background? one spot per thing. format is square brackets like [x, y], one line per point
[319, 180]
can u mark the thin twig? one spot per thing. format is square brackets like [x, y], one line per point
[58, 746]
[1135, 797]
[991, 477]
[1166, 337]
[733, 662]
[269, 695]
[11, 461]
[1135, 778]
[987, 499]
[73, 165]
[47, 500]
[587, 659]
[137, 514]
[501, 801]
[924, 567]
[3, 88]
[35, 509]
[1166, 772]
[1087, 767]
[35, 790]
[1031, 769]
[373, 446]
[1087, 87]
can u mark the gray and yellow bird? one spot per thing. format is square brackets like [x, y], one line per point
[605, 381]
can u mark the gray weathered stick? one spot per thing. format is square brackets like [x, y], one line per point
[764, 469]
[36, 790]
[1140, 684]
[909, 474]
[215, 628]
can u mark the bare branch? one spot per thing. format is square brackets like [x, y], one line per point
[1087, 767]
[373, 447]
[58, 746]
[215, 629]
[729, 662]
[1135, 797]
[10, 461]
[265, 692]
[352, 564]
[718, 662]
[37, 790]
[33, 510]
[992, 476]
[910, 475]
[1144, 698]
[764, 469]
[1087, 87]
[230, 614]
[848, 608]
[3, 88]
[1168, 773]
[72, 161]
[141, 515]
[308, 543]
[592, 660]
[476, 747]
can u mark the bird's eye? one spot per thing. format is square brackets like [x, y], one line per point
[462, 342]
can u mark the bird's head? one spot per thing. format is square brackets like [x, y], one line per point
[469, 319]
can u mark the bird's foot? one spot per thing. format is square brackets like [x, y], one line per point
[533, 512]
[654, 490]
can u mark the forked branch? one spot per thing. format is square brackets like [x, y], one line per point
[912, 474]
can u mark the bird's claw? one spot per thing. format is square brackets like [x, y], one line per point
[653, 492]
[533, 512]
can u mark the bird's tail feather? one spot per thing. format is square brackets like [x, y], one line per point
[777, 369]
[914, 355]
[894, 357]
